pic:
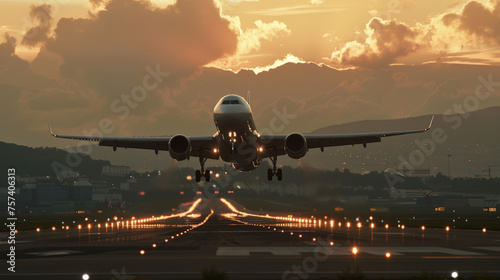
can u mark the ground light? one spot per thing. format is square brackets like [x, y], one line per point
[454, 274]
[85, 276]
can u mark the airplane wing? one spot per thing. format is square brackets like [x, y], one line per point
[199, 145]
[275, 144]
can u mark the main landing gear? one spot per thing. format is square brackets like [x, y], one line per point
[274, 171]
[202, 172]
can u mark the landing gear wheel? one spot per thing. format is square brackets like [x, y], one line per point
[207, 175]
[274, 171]
[198, 175]
[270, 174]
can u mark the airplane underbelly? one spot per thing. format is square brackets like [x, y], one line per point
[243, 157]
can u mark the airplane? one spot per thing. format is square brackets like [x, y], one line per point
[238, 142]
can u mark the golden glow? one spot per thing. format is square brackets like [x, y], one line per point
[53, 228]
[354, 250]
[79, 226]
[386, 225]
[38, 229]
[387, 255]
[142, 252]
[215, 150]
[484, 229]
[447, 228]
[403, 227]
[154, 245]
[423, 227]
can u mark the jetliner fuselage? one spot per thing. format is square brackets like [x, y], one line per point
[236, 133]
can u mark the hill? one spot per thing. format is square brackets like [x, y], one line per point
[43, 161]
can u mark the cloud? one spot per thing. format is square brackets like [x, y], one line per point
[40, 14]
[317, 2]
[478, 20]
[251, 39]
[386, 41]
[110, 50]
[473, 28]
[289, 58]
[297, 10]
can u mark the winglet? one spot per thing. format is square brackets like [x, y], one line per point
[430, 124]
[50, 130]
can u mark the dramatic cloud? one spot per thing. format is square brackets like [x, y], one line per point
[109, 52]
[40, 14]
[476, 26]
[251, 39]
[289, 58]
[477, 20]
[385, 42]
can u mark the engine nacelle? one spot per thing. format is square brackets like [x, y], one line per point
[179, 147]
[295, 145]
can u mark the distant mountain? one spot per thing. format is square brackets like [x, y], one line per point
[471, 140]
[44, 161]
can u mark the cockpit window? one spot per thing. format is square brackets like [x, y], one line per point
[231, 101]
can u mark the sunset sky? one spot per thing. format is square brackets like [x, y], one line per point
[71, 62]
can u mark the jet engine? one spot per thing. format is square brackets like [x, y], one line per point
[295, 145]
[179, 147]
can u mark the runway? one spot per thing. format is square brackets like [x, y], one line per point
[248, 246]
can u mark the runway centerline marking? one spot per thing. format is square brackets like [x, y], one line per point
[54, 253]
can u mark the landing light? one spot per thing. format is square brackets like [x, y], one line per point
[85, 276]
[454, 274]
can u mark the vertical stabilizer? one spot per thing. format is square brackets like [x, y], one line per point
[248, 97]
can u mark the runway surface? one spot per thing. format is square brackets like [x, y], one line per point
[248, 246]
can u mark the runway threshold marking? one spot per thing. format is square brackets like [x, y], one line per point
[339, 251]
